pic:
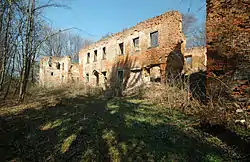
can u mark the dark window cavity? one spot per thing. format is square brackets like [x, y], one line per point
[104, 73]
[154, 39]
[189, 60]
[121, 46]
[62, 66]
[104, 53]
[88, 57]
[95, 55]
[87, 77]
[97, 79]
[120, 77]
[136, 42]
[50, 62]
[58, 65]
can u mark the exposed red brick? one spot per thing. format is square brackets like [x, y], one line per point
[228, 35]
[171, 41]
[228, 50]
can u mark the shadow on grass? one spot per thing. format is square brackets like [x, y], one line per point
[90, 128]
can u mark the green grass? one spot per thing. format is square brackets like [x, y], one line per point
[91, 128]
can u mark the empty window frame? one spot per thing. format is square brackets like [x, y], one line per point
[104, 73]
[88, 58]
[104, 53]
[58, 65]
[121, 47]
[87, 77]
[50, 62]
[188, 60]
[96, 74]
[154, 39]
[62, 66]
[95, 55]
[120, 76]
[136, 42]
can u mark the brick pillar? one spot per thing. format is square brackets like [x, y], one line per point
[163, 72]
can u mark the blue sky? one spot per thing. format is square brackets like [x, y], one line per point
[95, 18]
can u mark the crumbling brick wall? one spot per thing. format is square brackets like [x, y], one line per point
[198, 58]
[228, 48]
[55, 71]
[137, 63]
[74, 72]
[228, 28]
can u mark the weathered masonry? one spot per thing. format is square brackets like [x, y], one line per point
[148, 52]
[228, 48]
[55, 71]
[195, 60]
[151, 51]
[228, 27]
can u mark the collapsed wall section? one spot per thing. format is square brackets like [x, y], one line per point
[195, 60]
[55, 71]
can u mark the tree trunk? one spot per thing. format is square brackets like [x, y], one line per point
[5, 49]
[28, 50]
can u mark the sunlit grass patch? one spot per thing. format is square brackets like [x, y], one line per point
[112, 107]
[124, 147]
[135, 119]
[214, 140]
[109, 137]
[88, 155]
[136, 101]
[67, 142]
[19, 108]
[51, 125]
[211, 158]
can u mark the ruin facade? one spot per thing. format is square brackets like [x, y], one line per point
[195, 60]
[56, 71]
[146, 52]
[151, 51]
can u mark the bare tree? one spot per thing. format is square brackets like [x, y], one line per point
[197, 36]
[106, 35]
[194, 32]
[188, 21]
[62, 43]
[20, 40]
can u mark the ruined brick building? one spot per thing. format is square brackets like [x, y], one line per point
[56, 71]
[151, 51]
[142, 53]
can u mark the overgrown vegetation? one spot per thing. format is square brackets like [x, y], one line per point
[79, 124]
[221, 116]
